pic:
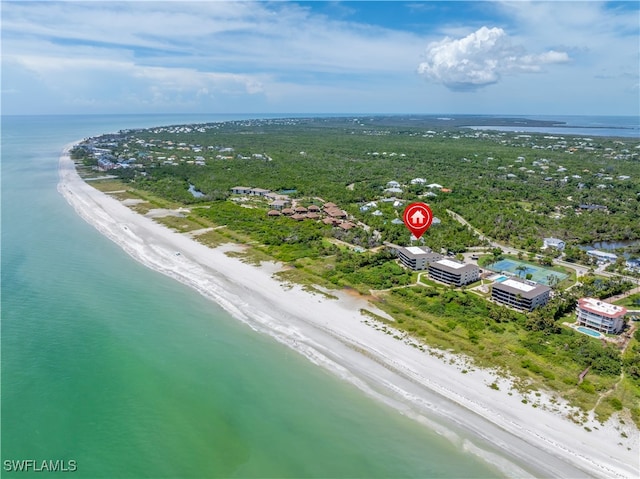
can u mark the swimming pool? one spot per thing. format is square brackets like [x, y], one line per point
[498, 277]
[589, 332]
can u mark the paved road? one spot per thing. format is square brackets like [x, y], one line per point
[580, 270]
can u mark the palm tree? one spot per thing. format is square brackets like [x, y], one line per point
[552, 281]
[521, 269]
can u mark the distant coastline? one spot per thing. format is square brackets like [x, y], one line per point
[601, 126]
[588, 125]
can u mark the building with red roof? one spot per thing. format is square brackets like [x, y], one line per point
[601, 316]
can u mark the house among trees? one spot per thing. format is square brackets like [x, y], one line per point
[279, 204]
[240, 190]
[366, 207]
[346, 225]
[592, 207]
[259, 192]
[553, 243]
[336, 213]
[105, 164]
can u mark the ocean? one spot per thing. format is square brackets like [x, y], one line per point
[120, 372]
[584, 126]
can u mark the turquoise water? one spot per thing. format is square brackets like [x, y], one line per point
[585, 126]
[590, 332]
[538, 274]
[132, 374]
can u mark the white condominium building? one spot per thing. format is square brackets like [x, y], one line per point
[453, 272]
[417, 258]
[519, 294]
[604, 317]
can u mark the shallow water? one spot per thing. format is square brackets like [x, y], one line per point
[132, 374]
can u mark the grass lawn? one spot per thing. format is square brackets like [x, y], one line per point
[631, 301]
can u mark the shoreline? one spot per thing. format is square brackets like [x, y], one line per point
[516, 438]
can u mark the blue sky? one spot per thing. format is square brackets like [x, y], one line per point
[481, 57]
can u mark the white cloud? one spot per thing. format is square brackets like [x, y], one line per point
[285, 56]
[106, 82]
[191, 50]
[480, 58]
[601, 36]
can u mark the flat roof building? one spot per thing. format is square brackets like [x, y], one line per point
[519, 294]
[601, 316]
[259, 191]
[417, 258]
[602, 255]
[453, 272]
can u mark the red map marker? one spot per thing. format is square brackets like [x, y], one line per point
[417, 218]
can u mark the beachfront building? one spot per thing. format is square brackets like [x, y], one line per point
[553, 243]
[599, 315]
[520, 294]
[453, 272]
[417, 258]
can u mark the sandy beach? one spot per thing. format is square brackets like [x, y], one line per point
[430, 386]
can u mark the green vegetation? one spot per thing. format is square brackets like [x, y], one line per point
[631, 301]
[513, 189]
[603, 287]
[506, 186]
[368, 271]
[284, 239]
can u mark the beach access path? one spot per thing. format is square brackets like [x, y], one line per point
[476, 409]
